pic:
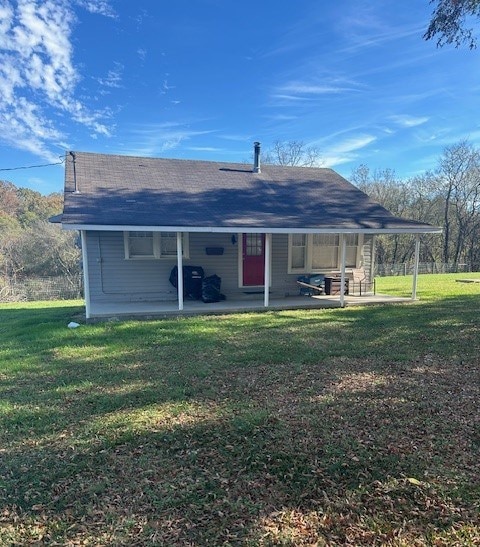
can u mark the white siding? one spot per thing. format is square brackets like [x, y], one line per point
[283, 283]
[115, 279]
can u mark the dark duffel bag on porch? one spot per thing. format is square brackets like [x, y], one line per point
[211, 289]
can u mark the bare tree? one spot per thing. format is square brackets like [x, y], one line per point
[383, 186]
[448, 197]
[459, 183]
[415, 198]
[44, 249]
[293, 153]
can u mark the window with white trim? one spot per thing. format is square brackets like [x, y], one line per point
[153, 245]
[298, 245]
[310, 253]
[168, 244]
[352, 250]
[324, 251]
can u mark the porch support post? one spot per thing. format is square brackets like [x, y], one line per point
[266, 282]
[343, 255]
[180, 271]
[86, 282]
[415, 266]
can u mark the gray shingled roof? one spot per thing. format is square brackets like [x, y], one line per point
[134, 191]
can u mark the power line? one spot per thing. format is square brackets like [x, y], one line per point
[32, 166]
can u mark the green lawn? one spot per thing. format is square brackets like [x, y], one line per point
[356, 426]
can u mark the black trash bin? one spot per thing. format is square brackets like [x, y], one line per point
[192, 281]
[333, 285]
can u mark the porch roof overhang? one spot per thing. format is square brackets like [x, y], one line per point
[420, 229]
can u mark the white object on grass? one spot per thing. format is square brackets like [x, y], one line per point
[73, 325]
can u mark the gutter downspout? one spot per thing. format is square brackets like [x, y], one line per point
[266, 282]
[415, 267]
[86, 282]
[75, 186]
[180, 271]
[343, 251]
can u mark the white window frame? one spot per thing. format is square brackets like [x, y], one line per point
[358, 256]
[290, 253]
[333, 253]
[157, 246]
[309, 252]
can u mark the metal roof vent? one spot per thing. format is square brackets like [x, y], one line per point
[256, 160]
[75, 187]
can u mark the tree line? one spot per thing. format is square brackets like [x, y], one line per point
[448, 197]
[31, 246]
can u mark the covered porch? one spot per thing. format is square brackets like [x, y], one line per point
[263, 297]
[122, 310]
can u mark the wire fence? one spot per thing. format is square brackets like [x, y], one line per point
[41, 288]
[71, 287]
[406, 268]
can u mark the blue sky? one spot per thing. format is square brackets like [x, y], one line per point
[203, 79]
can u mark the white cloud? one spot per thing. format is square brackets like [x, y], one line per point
[24, 127]
[297, 91]
[6, 16]
[166, 86]
[283, 97]
[333, 161]
[300, 88]
[345, 151]
[280, 117]
[204, 149]
[234, 137]
[113, 77]
[403, 120]
[100, 7]
[170, 144]
[352, 144]
[37, 75]
[368, 27]
[152, 139]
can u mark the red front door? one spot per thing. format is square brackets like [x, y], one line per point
[253, 259]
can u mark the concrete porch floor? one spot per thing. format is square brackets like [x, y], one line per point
[197, 307]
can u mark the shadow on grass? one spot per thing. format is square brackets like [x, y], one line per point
[54, 376]
[217, 479]
[211, 430]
